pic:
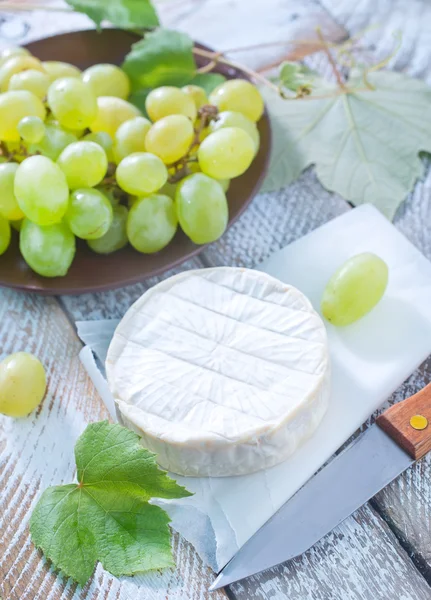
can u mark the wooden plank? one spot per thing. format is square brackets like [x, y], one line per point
[359, 560]
[37, 451]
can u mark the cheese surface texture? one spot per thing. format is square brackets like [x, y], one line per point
[221, 371]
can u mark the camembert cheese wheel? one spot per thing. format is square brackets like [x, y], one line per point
[221, 371]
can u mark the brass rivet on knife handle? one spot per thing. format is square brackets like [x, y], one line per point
[419, 422]
[407, 423]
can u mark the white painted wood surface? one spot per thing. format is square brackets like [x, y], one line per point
[406, 503]
[38, 451]
[362, 559]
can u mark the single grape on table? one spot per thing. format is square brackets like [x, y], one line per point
[79, 159]
[22, 384]
[354, 289]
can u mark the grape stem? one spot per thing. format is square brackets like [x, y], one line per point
[216, 58]
[206, 114]
[331, 60]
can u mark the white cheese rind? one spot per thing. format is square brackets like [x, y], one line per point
[221, 371]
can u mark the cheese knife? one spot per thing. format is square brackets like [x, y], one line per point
[400, 436]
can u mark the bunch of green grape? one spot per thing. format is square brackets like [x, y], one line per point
[77, 160]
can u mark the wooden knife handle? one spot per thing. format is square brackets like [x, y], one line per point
[409, 423]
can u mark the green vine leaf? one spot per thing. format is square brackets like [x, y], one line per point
[163, 57]
[106, 517]
[365, 144]
[126, 14]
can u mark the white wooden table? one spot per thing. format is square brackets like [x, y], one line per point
[382, 552]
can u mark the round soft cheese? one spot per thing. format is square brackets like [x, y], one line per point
[221, 371]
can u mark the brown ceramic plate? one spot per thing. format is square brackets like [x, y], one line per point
[91, 272]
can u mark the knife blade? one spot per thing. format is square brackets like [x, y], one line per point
[400, 436]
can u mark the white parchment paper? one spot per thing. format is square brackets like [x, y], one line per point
[370, 359]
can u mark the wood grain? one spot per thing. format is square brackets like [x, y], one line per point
[37, 451]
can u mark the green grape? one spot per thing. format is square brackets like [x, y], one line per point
[48, 250]
[53, 143]
[51, 120]
[5, 235]
[14, 106]
[31, 129]
[169, 189]
[57, 69]
[116, 236]
[16, 64]
[12, 51]
[170, 138]
[41, 190]
[84, 164]
[202, 208]
[225, 183]
[130, 137]
[32, 81]
[152, 223]
[141, 173]
[104, 140]
[9, 208]
[89, 215]
[197, 94]
[111, 113]
[238, 95]
[226, 153]
[107, 80]
[354, 289]
[167, 100]
[230, 118]
[22, 384]
[72, 103]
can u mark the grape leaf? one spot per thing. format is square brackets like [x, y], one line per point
[163, 57]
[208, 81]
[106, 517]
[122, 13]
[294, 76]
[365, 144]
